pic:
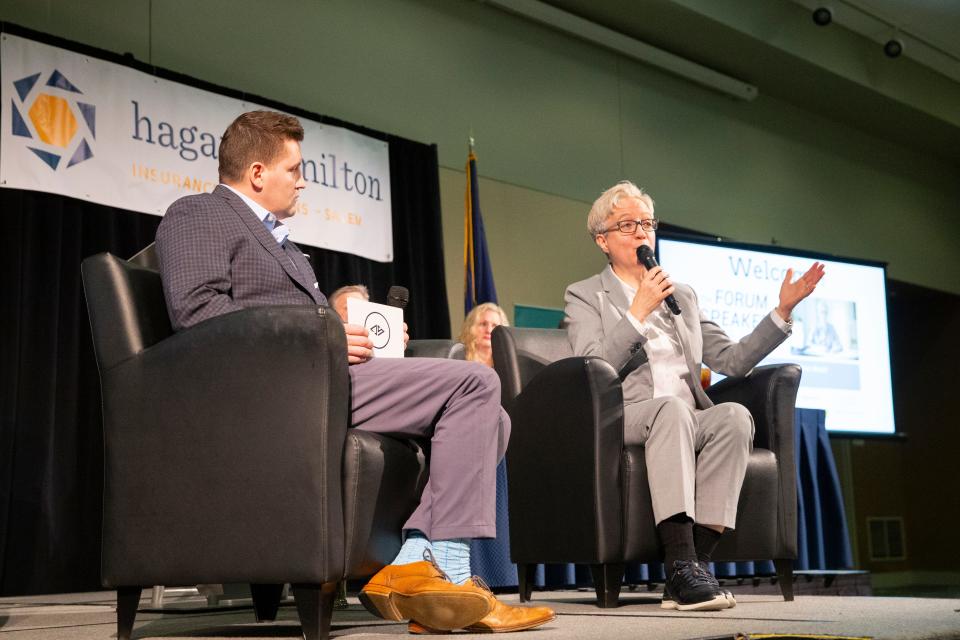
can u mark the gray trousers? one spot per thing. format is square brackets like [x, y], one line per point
[456, 404]
[696, 459]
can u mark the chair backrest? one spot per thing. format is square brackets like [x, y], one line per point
[519, 354]
[147, 257]
[434, 348]
[127, 309]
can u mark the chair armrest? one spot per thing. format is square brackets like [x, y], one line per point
[770, 394]
[564, 464]
[234, 428]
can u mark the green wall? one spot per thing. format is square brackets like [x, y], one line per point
[556, 120]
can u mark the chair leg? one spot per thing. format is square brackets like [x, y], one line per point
[156, 596]
[785, 577]
[212, 591]
[525, 577]
[266, 601]
[315, 606]
[607, 579]
[128, 599]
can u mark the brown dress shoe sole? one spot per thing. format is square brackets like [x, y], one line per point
[481, 627]
[442, 610]
[418, 628]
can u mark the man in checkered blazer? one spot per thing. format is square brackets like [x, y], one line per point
[226, 250]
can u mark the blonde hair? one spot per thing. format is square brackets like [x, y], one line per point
[608, 200]
[466, 330]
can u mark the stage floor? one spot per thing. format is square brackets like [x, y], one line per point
[92, 616]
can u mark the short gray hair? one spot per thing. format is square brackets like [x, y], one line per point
[351, 288]
[604, 205]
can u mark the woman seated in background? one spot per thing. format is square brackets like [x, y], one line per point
[476, 330]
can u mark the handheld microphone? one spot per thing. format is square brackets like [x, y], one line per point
[645, 257]
[398, 296]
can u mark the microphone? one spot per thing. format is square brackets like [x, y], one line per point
[645, 257]
[398, 296]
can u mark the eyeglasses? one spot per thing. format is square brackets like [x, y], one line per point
[630, 226]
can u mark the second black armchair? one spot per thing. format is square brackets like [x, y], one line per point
[578, 494]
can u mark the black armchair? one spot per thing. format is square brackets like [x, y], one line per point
[244, 417]
[577, 494]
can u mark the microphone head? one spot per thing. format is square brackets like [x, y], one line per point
[645, 256]
[398, 296]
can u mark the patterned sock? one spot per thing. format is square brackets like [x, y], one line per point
[705, 541]
[676, 536]
[453, 556]
[413, 546]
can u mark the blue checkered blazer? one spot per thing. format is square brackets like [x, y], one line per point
[216, 256]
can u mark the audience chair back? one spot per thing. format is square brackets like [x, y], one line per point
[433, 348]
[146, 258]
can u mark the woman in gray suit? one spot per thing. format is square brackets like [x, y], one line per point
[696, 453]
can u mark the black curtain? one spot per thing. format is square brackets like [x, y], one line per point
[50, 442]
[51, 458]
[417, 244]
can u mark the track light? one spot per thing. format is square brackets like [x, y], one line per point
[893, 48]
[560, 20]
[822, 16]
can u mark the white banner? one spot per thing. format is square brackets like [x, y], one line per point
[94, 130]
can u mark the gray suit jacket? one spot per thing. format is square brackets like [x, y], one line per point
[597, 325]
[216, 256]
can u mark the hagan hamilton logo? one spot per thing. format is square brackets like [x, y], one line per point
[52, 115]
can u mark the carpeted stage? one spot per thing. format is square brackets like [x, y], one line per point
[92, 616]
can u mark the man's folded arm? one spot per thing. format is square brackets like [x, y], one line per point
[195, 266]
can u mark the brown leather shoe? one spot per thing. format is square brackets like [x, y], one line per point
[420, 591]
[504, 618]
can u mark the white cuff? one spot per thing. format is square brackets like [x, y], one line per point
[641, 327]
[784, 325]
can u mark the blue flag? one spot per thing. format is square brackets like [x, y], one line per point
[478, 284]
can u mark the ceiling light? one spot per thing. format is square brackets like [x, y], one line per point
[893, 48]
[822, 16]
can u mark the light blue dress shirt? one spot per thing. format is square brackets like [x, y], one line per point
[279, 230]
